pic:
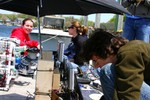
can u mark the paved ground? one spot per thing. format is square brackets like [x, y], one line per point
[21, 89]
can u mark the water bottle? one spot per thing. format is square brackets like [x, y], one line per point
[17, 60]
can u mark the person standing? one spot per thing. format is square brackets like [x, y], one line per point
[22, 34]
[137, 25]
[125, 65]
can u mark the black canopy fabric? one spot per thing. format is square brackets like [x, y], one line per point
[50, 7]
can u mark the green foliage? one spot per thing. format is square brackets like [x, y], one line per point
[91, 23]
[12, 17]
[68, 20]
[25, 16]
[81, 20]
[112, 20]
[107, 26]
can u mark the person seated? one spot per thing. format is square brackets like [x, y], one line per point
[22, 34]
[78, 33]
[70, 51]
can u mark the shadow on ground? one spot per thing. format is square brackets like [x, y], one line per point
[21, 83]
[15, 96]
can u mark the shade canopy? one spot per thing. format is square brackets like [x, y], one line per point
[50, 7]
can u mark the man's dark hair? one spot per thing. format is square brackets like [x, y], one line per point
[102, 44]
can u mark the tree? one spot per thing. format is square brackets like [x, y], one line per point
[91, 23]
[4, 18]
[12, 17]
[81, 20]
[112, 20]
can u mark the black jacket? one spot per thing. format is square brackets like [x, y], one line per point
[78, 42]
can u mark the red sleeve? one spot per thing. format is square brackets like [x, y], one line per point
[18, 33]
[32, 43]
[24, 39]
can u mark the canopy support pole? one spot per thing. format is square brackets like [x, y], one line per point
[38, 17]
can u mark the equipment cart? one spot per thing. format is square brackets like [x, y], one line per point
[7, 62]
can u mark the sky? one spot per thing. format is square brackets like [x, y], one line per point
[104, 17]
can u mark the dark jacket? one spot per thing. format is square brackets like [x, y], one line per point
[142, 9]
[78, 42]
[24, 38]
[132, 68]
[70, 51]
[74, 49]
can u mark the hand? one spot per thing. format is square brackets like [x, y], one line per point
[138, 1]
[71, 60]
[39, 47]
[25, 48]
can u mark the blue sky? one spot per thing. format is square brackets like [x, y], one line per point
[104, 17]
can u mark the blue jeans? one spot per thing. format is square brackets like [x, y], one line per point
[138, 29]
[107, 78]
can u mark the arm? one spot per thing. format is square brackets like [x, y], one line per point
[32, 43]
[70, 52]
[24, 39]
[129, 76]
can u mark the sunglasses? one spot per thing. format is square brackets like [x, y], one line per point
[71, 27]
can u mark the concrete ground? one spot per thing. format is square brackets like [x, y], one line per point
[22, 88]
